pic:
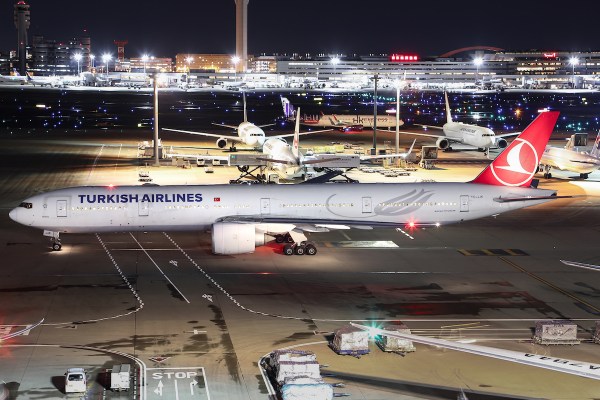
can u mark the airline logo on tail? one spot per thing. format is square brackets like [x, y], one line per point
[517, 164]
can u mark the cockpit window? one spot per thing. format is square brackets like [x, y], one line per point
[26, 205]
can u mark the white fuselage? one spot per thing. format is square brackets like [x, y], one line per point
[278, 149]
[570, 160]
[174, 208]
[472, 135]
[383, 121]
[251, 134]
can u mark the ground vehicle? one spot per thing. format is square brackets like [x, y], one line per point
[75, 380]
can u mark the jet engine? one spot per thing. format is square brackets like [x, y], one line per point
[442, 143]
[221, 143]
[501, 143]
[235, 238]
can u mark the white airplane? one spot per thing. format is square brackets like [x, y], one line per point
[572, 367]
[290, 164]
[16, 78]
[569, 159]
[247, 133]
[52, 81]
[472, 135]
[240, 216]
[344, 123]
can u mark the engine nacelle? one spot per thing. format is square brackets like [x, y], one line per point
[235, 238]
[442, 143]
[501, 143]
[221, 143]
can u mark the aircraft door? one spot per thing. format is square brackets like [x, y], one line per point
[464, 203]
[143, 208]
[367, 205]
[265, 206]
[61, 208]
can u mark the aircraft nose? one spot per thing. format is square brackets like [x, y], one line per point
[13, 214]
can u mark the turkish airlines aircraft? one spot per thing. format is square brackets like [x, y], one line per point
[572, 367]
[247, 133]
[569, 159]
[472, 135]
[240, 216]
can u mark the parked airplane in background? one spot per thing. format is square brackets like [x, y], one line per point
[344, 123]
[247, 133]
[572, 367]
[54, 80]
[241, 216]
[569, 159]
[472, 135]
[16, 78]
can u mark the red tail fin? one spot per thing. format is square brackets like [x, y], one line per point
[517, 164]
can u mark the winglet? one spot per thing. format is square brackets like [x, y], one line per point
[518, 163]
[411, 148]
[295, 145]
[448, 114]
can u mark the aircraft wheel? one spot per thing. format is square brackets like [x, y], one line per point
[299, 250]
[288, 250]
[279, 238]
[310, 249]
[56, 246]
[583, 176]
[549, 175]
[289, 238]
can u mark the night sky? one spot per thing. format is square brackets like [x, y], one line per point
[164, 28]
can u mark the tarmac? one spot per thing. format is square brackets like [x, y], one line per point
[195, 325]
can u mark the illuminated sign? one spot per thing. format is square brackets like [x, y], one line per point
[404, 57]
[550, 55]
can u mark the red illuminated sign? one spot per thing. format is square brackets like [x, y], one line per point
[550, 55]
[404, 57]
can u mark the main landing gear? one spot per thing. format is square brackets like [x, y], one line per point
[547, 171]
[291, 247]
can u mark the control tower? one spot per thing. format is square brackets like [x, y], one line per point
[241, 34]
[22, 20]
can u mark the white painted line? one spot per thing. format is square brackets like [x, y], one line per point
[161, 271]
[95, 162]
[129, 285]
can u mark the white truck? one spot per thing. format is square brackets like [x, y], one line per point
[75, 380]
[120, 376]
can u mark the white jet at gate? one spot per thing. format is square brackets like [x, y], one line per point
[240, 216]
[247, 133]
[479, 137]
[570, 159]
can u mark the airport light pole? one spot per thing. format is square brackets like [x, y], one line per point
[573, 61]
[235, 60]
[145, 60]
[478, 62]
[106, 58]
[77, 58]
[335, 61]
[188, 61]
[398, 83]
[374, 150]
[92, 58]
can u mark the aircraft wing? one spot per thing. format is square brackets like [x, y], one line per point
[430, 126]
[572, 367]
[395, 155]
[232, 138]
[226, 126]
[449, 138]
[306, 222]
[265, 125]
[508, 134]
[301, 133]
